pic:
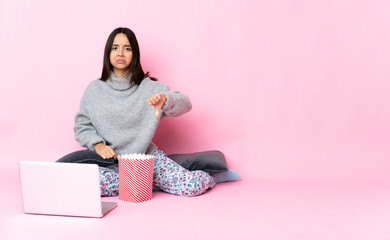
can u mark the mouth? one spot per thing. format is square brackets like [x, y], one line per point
[120, 61]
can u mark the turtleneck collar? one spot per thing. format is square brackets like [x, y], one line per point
[121, 83]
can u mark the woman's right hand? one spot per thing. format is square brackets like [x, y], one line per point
[105, 151]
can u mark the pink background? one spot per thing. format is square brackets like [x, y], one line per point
[296, 93]
[288, 90]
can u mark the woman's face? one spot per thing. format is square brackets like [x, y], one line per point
[121, 54]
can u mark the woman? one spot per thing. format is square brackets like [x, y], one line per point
[119, 114]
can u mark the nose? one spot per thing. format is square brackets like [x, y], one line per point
[120, 52]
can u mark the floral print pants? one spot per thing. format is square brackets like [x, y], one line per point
[167, 175]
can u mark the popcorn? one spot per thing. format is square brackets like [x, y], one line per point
[135, 177]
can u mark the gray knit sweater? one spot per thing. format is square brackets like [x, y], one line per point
[115, 113]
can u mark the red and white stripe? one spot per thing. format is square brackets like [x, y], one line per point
[135, 177]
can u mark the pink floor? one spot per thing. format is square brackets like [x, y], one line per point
[247, 209]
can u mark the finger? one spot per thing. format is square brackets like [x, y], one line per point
[157, 112]
[112, 153]
[154, 99]
[151, 102]
[109, 153]
[100, 154]
[103, 154]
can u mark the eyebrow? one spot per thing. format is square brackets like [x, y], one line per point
[127, 45]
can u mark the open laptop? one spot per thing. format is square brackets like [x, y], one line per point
[66, 189]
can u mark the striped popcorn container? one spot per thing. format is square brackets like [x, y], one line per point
[135, 177]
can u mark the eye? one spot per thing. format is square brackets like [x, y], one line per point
[128, 49]
[114, 48]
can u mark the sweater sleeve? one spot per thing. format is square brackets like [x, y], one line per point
[177, 104]
[85, 132]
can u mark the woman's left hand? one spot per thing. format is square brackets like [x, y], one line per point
[157, 101]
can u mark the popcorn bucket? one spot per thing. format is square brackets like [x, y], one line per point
[135, 177]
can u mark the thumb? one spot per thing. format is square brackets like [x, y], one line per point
[157, 111]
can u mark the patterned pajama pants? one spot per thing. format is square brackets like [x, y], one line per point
[167, 175]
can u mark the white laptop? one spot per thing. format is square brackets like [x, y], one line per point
[66, 189]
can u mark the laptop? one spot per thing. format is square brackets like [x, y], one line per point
[65, 189]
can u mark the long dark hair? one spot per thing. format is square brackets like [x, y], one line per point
[135, 67]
